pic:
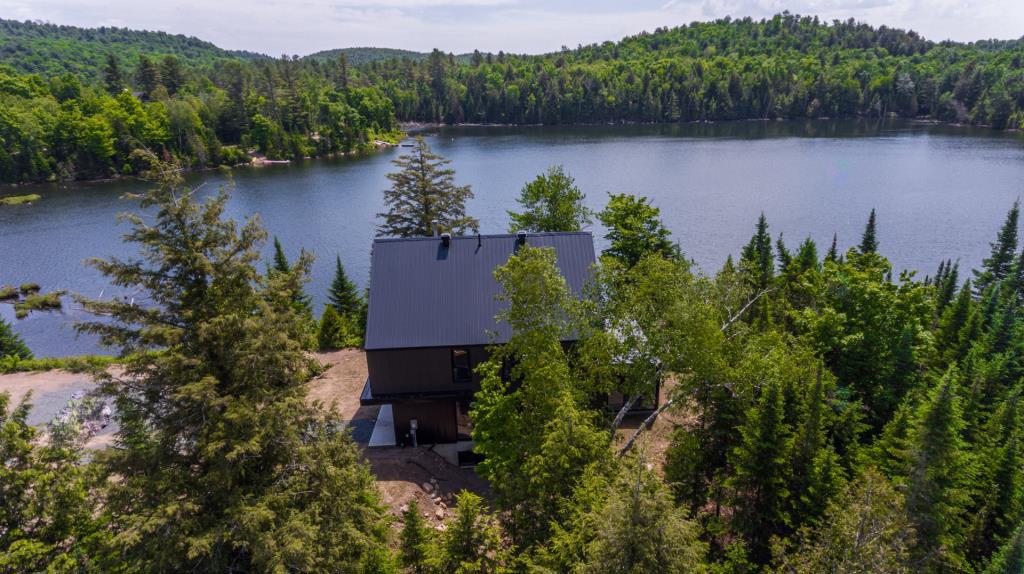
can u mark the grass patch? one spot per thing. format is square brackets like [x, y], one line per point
[27, 288]
[37, 302]
[7, 293]
[19, 199]
[79, 364]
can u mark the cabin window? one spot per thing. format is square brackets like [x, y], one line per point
[461, 372]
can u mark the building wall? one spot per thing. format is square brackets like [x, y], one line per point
[412, 371]
[435, 420]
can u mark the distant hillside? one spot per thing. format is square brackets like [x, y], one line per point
[359, 56]
[50, 49]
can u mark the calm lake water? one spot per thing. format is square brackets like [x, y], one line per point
[939, 191]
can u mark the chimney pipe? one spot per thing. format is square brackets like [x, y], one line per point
[434, 226]
[446, 239]
[521, 238]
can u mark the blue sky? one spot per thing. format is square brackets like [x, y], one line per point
[524, 26]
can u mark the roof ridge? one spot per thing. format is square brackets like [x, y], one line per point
[482, 236]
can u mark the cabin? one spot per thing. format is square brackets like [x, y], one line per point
[431, 316]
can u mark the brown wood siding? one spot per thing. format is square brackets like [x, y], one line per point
[398, 371]
[435, 419]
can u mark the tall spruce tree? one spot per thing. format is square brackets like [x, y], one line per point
[762, 473]
[551, 202]
[640, 529]
[148, 76]
[343, 295]
[1010, 558]
[757, 259]
[940, 470]
[221, 464]
[113, 75]
[422, 192]
[472, 540]
[414, 543]
[869, 241]
[833, 250]
[996, 266]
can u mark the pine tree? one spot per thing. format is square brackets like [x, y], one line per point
[414, 545]
[172, 76]
[807, 256]
[757, 259]
[113, 76]
[640, 529]
[148, 76]
[280, 266]
[551, 202]
[833, 250]
[996, 266]
[424, 192]
[472, 541]
[222, 464]
[343, 295]
[863, 531]
[1010, 558]
[946, 285]
[939, 471]
[869, 241]
[952, 322]
[783, 254]
[816, 475]
[635, 229]
[762, 473]
[11, 344]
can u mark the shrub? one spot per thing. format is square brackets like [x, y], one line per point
[7, 293]
[27, 288]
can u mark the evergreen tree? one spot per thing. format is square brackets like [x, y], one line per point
[869, 241]
[783, 254]
[551, 202]
[640, 529]
[761, 473]
[1010, 558]
[222, 465]
[833, 250]
[343, 295]
[816, 474]
[280, 266]
[807, 256]
[939, 472]
[172, 76]
[414, 546]
[11, 344]
[113, 76]
[424, 192]
[148, 76]
[863, 531]
[996, 266]
[757, 259]
[472, 542]
[635, 229]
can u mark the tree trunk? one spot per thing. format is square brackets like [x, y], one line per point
[647, 423]
[622, 412]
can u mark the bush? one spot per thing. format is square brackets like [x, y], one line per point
[27, 288]
[37, 302]
[79, 364]
[7, 293]
[337, 332]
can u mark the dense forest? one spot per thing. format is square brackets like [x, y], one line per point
[784, 67]
[85, 104]
[827, 414]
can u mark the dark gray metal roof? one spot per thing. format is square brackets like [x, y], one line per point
[423, 294]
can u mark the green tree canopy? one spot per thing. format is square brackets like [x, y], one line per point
[551, 202]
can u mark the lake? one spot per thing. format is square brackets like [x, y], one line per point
[939, 191]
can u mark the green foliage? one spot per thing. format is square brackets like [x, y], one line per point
[48, 520]
[1010, 558]
[35, 301]
[19, 199]
[639, 529]
[222, 464]
[864, 530]
[635, 229]
[996, 266]
[786, 66]
[472, 542]
[415, 541]
[551, 202]
[12, 347]
[77, 364]
[423, 194]
[537, 438]
[869, 241]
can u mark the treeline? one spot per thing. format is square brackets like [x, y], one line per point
[64, 129]
[783, 67]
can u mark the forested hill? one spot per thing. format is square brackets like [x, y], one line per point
[51, 50]
[787, 66]
[360, 56]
